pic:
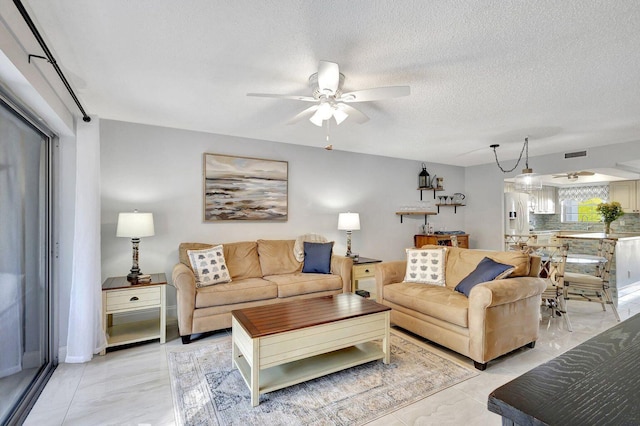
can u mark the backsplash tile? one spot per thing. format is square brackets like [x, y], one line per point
[542, 222]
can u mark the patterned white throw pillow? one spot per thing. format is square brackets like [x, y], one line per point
[209, 266]
[425, 266]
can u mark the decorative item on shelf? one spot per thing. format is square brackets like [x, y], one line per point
[135, 226]
[458, 198]
[439, 182]
[610, 212]
[349, 222]
[424, 180]
[527, 181]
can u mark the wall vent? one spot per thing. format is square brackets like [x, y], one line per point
[575, 154]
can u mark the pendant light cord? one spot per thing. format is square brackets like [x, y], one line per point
[525, 146]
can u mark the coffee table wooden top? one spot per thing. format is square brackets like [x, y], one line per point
[281, 317]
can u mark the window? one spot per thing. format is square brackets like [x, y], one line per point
[578, 203]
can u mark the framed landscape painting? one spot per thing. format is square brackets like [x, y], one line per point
[242, 188]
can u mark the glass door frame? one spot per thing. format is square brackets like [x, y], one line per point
[20, 412]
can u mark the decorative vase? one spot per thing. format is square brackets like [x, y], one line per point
[607, 227]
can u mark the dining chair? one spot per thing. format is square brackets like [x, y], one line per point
[553, 260]
[594, 287]
[516, 242]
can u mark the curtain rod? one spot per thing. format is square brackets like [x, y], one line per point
[49, 57]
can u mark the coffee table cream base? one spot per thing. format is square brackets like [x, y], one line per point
[279, 360]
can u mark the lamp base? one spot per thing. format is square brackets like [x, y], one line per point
[133, 276]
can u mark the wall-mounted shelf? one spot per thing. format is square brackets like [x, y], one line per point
[430, 188]
[455, 207]
[416, 213]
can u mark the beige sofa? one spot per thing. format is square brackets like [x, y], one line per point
[497, 317]
[262, 272]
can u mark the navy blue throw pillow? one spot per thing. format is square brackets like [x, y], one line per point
[317, 257]
[487, 270]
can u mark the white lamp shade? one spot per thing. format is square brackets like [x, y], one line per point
[135, 225]
[348, 221]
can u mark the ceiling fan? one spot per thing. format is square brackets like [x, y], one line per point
[574, 175]
[329, 100]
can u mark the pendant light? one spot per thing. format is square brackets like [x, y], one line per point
[527, 181]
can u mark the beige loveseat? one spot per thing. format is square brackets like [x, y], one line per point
[262, 272]
[497, 317]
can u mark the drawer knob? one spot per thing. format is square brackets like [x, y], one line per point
[133, 299]
[366, 270]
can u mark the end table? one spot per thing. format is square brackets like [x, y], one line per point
[362, 268]
[120, 295]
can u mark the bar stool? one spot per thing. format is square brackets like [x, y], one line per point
[594, 288]
[553, 260]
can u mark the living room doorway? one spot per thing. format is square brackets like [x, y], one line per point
[26, 359]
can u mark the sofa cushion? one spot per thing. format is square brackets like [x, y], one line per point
[461, 262]
[487, 270]
[184, 247]
[435, 301]
[298, 247]
[425, 266]
[238, 291]
[242, 260]
[317, 257]
[209, 266]
[304, 283]
[277, 257]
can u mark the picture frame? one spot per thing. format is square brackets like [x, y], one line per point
[244, 188]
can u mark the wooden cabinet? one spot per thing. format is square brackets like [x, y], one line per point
[544, 200]
[627, 193]
[420, 240]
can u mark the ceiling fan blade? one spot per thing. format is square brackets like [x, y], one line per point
[303, 114]
[559, 176]
[328, 77]
[292, 97]
[375, 94]
[357, 116]
[584, 173]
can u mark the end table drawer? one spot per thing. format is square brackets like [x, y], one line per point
[133, 299]
[363, 271]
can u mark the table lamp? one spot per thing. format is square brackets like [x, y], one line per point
[135, 225]
[348, 222]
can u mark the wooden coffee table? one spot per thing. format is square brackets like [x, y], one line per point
[280, 345]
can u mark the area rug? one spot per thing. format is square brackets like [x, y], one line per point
[208, 391]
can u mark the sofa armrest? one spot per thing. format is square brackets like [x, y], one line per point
[508, 290]
[342, 265]
[388, 273]
[185, 283]
[503, 315]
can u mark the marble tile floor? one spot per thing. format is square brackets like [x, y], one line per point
[132, 386]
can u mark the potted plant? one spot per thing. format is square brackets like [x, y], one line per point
[610, 212]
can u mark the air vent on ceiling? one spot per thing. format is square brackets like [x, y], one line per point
[575, 154]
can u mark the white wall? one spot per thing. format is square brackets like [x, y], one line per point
[160, 170]
[484, 220]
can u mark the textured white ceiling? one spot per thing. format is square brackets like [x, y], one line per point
[565, 73]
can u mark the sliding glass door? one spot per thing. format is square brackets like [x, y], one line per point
[25, 267]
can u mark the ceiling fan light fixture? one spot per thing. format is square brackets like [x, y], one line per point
[340, 115]
[316, 118]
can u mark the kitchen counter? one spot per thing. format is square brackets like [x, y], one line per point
[600, 235]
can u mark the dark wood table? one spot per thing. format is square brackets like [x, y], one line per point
[595, 383]
[279, 345]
